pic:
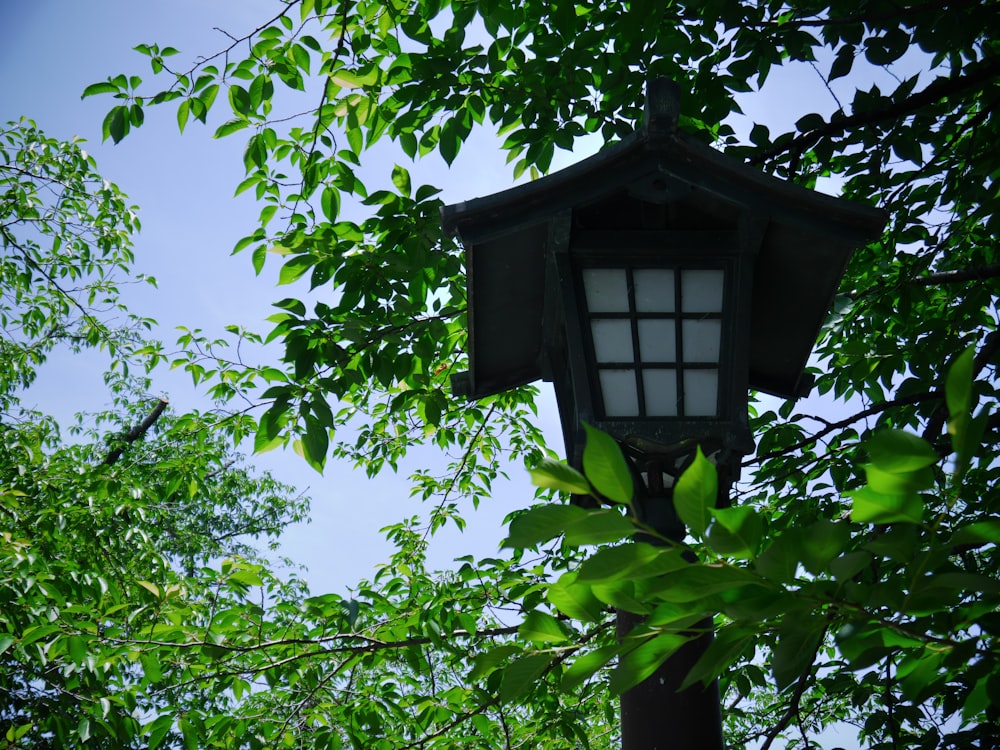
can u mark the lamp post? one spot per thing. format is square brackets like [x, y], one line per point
[654, 283]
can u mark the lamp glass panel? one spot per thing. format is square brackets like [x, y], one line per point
[660, 390]
[612, 340]
[702, 340]
[618, 390]
[657, 340]
[702, 290]
[606, 289]
[654, 290]
[701, 393]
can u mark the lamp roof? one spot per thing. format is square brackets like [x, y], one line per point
[806, 242]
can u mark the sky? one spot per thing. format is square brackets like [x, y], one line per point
[50, 51]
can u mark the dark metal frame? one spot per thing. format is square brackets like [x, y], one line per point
[579, 397]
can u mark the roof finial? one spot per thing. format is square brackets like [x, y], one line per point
[663, 106]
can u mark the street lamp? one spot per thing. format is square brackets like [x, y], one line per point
[654, 283]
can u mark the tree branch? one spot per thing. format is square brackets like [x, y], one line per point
[983, 357]
[865, 18]
[934, 92]
[833, 426]
[796, 698]
[976, 273]
[137, 432]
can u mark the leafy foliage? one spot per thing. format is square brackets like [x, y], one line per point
[853, 580]
[65, 236]
[108, 536]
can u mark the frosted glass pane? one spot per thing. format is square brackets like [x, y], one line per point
[619, 393]
[701, 393]
[701, 290]
[654, 290]
[702, 340]
[606, 289]
[660, 390]
[657, 340]
[612, 340]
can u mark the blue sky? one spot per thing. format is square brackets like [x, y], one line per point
[49, 52]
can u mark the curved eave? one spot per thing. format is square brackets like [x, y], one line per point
[677, 157]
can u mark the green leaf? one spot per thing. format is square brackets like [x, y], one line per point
[966, 432]
[698, 581]
[315, 443]
[105, 87]
[183, 109]
[643, 661]
[294, 268]
[598, 527]
[541, 627]
[695, 494]
[585, 666]
[449, 143]
[795, 651]
[6, 639]
[615, 563]
[869, 506]
[898, 451]
[981, 532]
[967, 436]
[861, 644]
[575, 600]
[822, 542]
[898, 483]
[958, 384]
[812, 121]
[487, 662]
[843, 63]
[780, 561]
[521, 675]
[330, 201]
[736, 531]
[540, 524]
[726, 647]
[239, 100]
[558, 475]
[229, 127]
[151, 666]
[158, 730]
[605, 466]
[150, 587]
[115, 125]
[401, 179]
[760, 135]
[350, 79]
[621, 595]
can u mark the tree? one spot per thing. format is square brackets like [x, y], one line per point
[108, 533]
[855, 576]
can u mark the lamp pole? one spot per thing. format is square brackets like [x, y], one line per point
[654, 283]
[656, 714]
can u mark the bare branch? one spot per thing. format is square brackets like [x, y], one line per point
[137, 432]
[977, 273]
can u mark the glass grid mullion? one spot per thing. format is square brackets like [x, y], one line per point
[679, 337]
[636, 351]
[678, 366]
